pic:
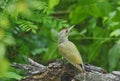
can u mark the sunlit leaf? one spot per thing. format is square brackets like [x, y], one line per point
[115, 33]
[4, 22]
[117, 15]
[118, 42]
[3, 66]
[27, 26]
[18, 7]
[52, 3]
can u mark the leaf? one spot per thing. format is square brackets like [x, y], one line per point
[100, 9]
[3, 66]
[38, 51]
[78, 14]
[94, 10]
[97, 9]
[117, 15]
[94, 49]
[9, 40]
[2, 49]
[115, 33]
[105, 8]
[118, 42]
[54, 34]
[37, 4]
[27, 26]
[13, 75]
[52, 3]
[50, 54]
[114, 56]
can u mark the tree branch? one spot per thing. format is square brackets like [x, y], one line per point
[58, 71]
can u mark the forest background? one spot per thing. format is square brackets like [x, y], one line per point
[29, 29]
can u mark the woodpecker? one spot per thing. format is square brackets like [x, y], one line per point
[69, 51]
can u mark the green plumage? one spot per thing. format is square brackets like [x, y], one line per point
[69, 51]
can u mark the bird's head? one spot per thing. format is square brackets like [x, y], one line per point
[63, 35]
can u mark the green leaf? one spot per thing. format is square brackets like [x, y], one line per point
[52, 3]
[9, 40]
[114, 56]
[37, 4]
[94, 10]
[96, 52]
[13, 75]
[27, 26]
[78, 14]
[51, 52]
[34, 31]
[2, 49]
[117, 15]
[54, 34]
[100, 9]
[115, 33]
[3, 66]
[38, 51]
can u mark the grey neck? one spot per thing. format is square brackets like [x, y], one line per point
[62, 39]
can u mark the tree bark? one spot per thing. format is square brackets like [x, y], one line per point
[58, 71]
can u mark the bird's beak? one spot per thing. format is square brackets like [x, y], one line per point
[71, 27]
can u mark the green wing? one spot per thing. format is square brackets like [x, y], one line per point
[70, 52]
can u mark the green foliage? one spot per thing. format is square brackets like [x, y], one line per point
[89, 8]
[4, 66]
[13, 75]
[52, 3]
[115, 33]
[29, 28]
[114, 56]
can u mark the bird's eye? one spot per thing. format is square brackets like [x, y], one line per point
[66, 31]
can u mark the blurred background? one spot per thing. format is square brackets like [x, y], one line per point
[29, 28]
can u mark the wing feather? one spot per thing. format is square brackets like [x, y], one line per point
[70, 52]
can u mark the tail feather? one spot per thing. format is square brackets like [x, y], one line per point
[83, 68]
[80, 67]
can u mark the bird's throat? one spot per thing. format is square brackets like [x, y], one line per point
[62, 39]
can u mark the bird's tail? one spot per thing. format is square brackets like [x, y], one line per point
[81, 69]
